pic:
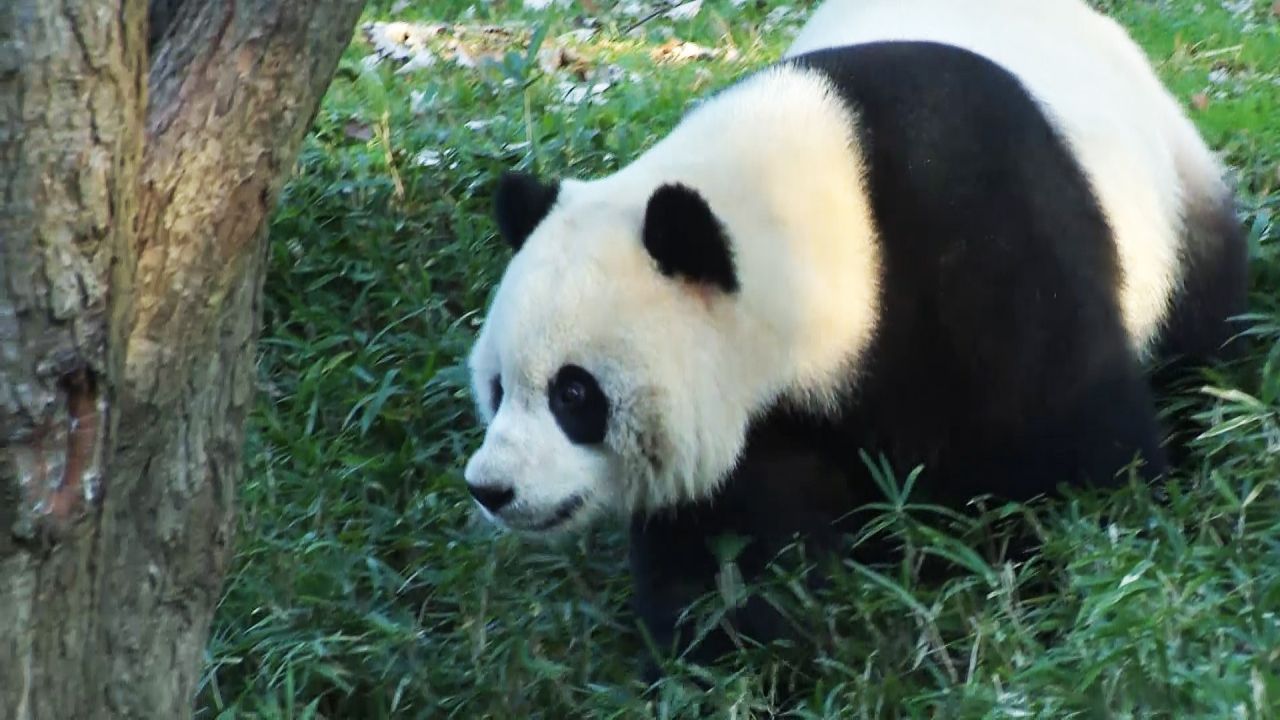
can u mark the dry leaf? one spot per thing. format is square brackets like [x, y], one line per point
[399, 40]
[552, 59]
[427, 158]
[419, 60]
[1200, 101]
[685, 10]
[1275, 8]
[681, 51]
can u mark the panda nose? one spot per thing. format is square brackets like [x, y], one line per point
[492, 497]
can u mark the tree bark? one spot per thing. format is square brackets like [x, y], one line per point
[134, 195]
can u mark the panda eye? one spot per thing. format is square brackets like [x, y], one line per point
[579, 405]
[572, 393]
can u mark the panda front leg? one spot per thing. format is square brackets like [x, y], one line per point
[668, 578]
[776, 496]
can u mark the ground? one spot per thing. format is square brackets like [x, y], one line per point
[362, 586]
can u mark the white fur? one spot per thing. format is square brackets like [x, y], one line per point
[685, 369]
[1143, 156]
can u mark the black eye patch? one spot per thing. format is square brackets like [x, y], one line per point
[579, 405]
[496, 391]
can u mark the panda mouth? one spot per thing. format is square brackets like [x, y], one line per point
[563, 513]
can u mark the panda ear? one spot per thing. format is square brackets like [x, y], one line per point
[686, 239]
[520, 203]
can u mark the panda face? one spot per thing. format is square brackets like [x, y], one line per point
[563, 387]
[597, 373]
[545, 456]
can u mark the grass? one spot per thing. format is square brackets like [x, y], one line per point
[362, 587]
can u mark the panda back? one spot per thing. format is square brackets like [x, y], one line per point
[999, 273]
[1146, 162]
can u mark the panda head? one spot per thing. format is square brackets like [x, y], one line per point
[604, 372]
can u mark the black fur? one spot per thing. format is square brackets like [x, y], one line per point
[1215, 284]
[683, 235]
[1214, 290]
[1000, 361]
[672, 559]
[1201, 329]
[520, 203]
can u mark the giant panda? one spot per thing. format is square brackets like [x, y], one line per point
[956, 235]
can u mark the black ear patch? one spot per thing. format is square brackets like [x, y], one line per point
[686, 238]
[520, 202]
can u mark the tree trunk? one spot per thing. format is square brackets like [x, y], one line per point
[138, 167]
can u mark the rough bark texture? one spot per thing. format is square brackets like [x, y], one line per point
[133, 200]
